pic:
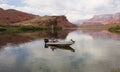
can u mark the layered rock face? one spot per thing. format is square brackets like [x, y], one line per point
[46, 21]
[115, 19]
[62, 21]
[11, 16]
[104, 19]
[14, 17]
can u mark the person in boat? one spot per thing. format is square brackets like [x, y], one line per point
[46, 40]
[72, 41]
[53, 40]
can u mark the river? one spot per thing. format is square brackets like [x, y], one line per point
[93, 51]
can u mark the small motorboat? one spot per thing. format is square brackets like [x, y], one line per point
[58, 43]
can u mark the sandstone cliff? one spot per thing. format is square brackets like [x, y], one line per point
[14, 17]
[104, 19]
[47, 21]
[11, 16]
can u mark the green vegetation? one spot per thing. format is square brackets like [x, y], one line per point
[2, 29]
[29, 28]
[115, 70]
[20, 29]
[57, 28]
[115, 29]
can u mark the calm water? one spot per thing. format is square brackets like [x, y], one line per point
[93, 51]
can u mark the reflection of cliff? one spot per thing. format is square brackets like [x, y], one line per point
[58, 34]
[26, 37]
[102, 34]
[13, 39]
[48, 34]
[61, 47]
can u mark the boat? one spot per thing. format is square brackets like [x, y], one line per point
[58, 43]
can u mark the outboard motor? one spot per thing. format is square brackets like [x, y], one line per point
[72, 41]
[46, 40]
[46, 46]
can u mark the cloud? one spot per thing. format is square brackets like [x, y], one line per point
[73, 9]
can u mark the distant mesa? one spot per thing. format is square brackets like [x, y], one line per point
[104, 19]
[15, 17]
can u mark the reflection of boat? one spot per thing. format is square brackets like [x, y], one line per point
[64, 47]
[58, 43]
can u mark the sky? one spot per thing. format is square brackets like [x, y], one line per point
[73, 9]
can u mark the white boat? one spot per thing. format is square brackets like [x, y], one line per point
[58, 43]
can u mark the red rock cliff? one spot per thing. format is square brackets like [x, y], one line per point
[104, 19]
[11, 16]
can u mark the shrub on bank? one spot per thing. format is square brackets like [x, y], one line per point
[29, 28]
[19, 29]
[115, 28]
[2, 29]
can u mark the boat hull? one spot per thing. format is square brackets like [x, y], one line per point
[59, 43]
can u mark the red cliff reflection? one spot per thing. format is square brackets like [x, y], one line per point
[14, 38]
[102, 34]
[26, 37]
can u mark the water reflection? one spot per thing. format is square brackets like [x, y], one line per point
[94, 51]
[101, 34]
[60, 47]
[13, 39]
[27, 37]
